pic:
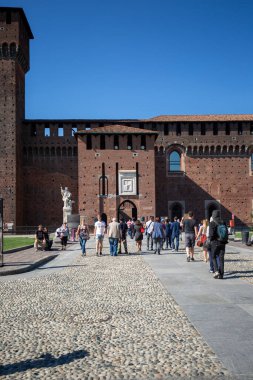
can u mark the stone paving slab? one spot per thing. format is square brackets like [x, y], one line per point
[221, 310]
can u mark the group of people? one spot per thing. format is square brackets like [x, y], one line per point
[42, 239]
[161, 234]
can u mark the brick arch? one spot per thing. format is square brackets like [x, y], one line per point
[13, 49]
[206, 150]
[201, 150]
[237, 149]
[195, 150]
[224, 149]
[5, 50]
[212, 149]
[243, 149]
[218, 149]
[189, 150]
[230, 149]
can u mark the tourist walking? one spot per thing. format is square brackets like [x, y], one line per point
[83, 234]
[114, 236]
[167, 233]
[158, 235]
[175, 233]
[202, 235]
[123, 236]
[39, 238]
[149, 231]
[218, 235]
[99, 233]
[138, 234]
[191, 230]
[63, 232]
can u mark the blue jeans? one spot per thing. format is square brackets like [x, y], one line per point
[173, 242]
[113, 246]
[83, 245]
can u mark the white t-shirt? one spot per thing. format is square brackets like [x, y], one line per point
[100, 228]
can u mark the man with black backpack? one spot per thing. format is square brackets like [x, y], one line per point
[218, 235]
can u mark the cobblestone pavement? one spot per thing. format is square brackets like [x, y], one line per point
[108, 318]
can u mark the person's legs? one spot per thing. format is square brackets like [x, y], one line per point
[155, 244]
[111, 246]
[83, 246]
[205, 255]
[97, 245]
[159, 245]
[221, 260]
[215, 253]
[187, 246]
[151, 243]
[211, 260]
[125, 245]
[36, 244]
[177, 242]
[173, 242]
[115, 247]
[148, 241]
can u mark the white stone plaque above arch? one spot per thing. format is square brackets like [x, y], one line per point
[127, 182]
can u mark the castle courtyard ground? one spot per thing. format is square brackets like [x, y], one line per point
[128, 317]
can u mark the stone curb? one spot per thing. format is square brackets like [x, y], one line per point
[28, 268]
[18, 249]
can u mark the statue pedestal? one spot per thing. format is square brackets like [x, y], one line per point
[66, 211]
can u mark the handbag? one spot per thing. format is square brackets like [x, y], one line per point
[142, 230]
[199, 243]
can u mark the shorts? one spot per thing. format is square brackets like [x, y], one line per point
[189, 240]
[100, 237]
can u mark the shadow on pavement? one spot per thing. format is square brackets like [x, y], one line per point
[63, 266]
[44, 361]
[239, 274]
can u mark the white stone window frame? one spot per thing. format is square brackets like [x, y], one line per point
[124, 177]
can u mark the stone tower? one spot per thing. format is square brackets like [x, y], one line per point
[15, 34]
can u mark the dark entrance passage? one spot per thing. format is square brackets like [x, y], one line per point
[127, 210]
[211, 208]
[177, 211]
[104, 218]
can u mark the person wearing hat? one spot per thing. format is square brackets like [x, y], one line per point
[218, 235]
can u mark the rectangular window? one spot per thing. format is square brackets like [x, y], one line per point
[47, 132]
[116, 142]
[240, 129]
[154, 126]
[33, 130]
[60, 131]
[202, 129]
[141, 126]
[87, 126]
[102, 142]
[215, 128]
[143, 142]
[251, 128]
[227, 129]
[137, 178]
[191, 129]
[166, 129]
[129, 142]
[8, 18]
[178, 129]
[89, 142]
[74, 130]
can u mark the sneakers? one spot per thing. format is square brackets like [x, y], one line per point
[97, 253]
[188, 259]
[173, 250]
[100, 253]
[211, 271]
[192, 259]
[216, 275]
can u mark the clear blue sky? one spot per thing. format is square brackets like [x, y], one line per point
[138, 58]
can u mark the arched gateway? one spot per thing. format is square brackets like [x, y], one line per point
[127, 210]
